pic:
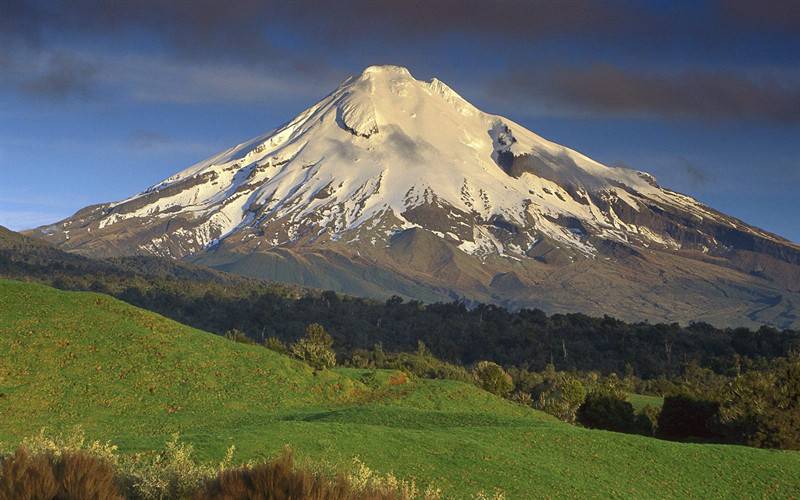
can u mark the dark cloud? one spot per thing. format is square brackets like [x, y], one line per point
[521, 19]
[59, 76]
[257, 29]
[148, 139]
[697, 94]
[189, 26]
[43, 73]
[19, 19]
[696, 176]
[247, 25]
[254, 28]
[764, 15]
[681, 171]
[304, 37]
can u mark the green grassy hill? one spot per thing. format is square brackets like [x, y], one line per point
[134, 377]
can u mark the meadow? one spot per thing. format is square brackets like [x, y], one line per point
[135, 378]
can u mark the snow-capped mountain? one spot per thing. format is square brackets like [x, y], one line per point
[391, 185]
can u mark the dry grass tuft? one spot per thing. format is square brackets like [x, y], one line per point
[72, 475]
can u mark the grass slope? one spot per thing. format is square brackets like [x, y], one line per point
[639, 401]
[134, 377]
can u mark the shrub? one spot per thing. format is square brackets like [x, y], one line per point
[27, 477]
[560, 395]
[276, 344]
[399, 378]
[281, 479]
[763, 408]
[72, 442]
[81, 475]
[523, 398]
[491, 377]
[604, 410]
[73, 474]
[238, 336]
[70, 468]
[315, 348]
[686, 417]
[774, 429]
[276, 479]
[172, 473]
[365, 480]
[423, 366]
[647, 421]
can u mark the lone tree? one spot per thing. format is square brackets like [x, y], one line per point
[606, 410]
[559, 395]
[315, 348]
[493, 378]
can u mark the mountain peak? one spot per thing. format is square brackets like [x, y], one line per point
[384, 69]
[379, 147]
[410, 177]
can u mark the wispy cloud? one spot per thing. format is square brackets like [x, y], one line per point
[765, 15]
[695, 175]
[46, 73]
[60, 73]
[165, 79]
[695, 93]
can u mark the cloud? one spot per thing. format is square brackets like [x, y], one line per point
[62, 73]
[782, 15]
[171, 80]
[150, 142]
[241, 50]
[147, 139]
[696, 176]
[313, 38]
[44, 73]
[246, 25]
[257, 29]
[58, 76]
[697, 94]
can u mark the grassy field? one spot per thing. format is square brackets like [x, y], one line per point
[639, 401]
[133, 377]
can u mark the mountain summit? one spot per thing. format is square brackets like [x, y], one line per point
[392, 185]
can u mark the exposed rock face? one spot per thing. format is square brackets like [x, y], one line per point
[390, 185]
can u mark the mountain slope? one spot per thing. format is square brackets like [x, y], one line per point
[134, 377]
[391, 185]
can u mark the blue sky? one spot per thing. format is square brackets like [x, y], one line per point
[99, 103]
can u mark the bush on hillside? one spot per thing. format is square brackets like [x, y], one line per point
[68, 467]
[647, 421]
[559, 395]
[281, 479]
[26, 476]
[277, 345]
[687, 417]
[523, 398]
[238, 336]
[492, 378]
[77, 475]
[421, 363]
[763, 408]
[315, 348]
[606, 410]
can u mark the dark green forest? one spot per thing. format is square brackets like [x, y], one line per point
[529, 339]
